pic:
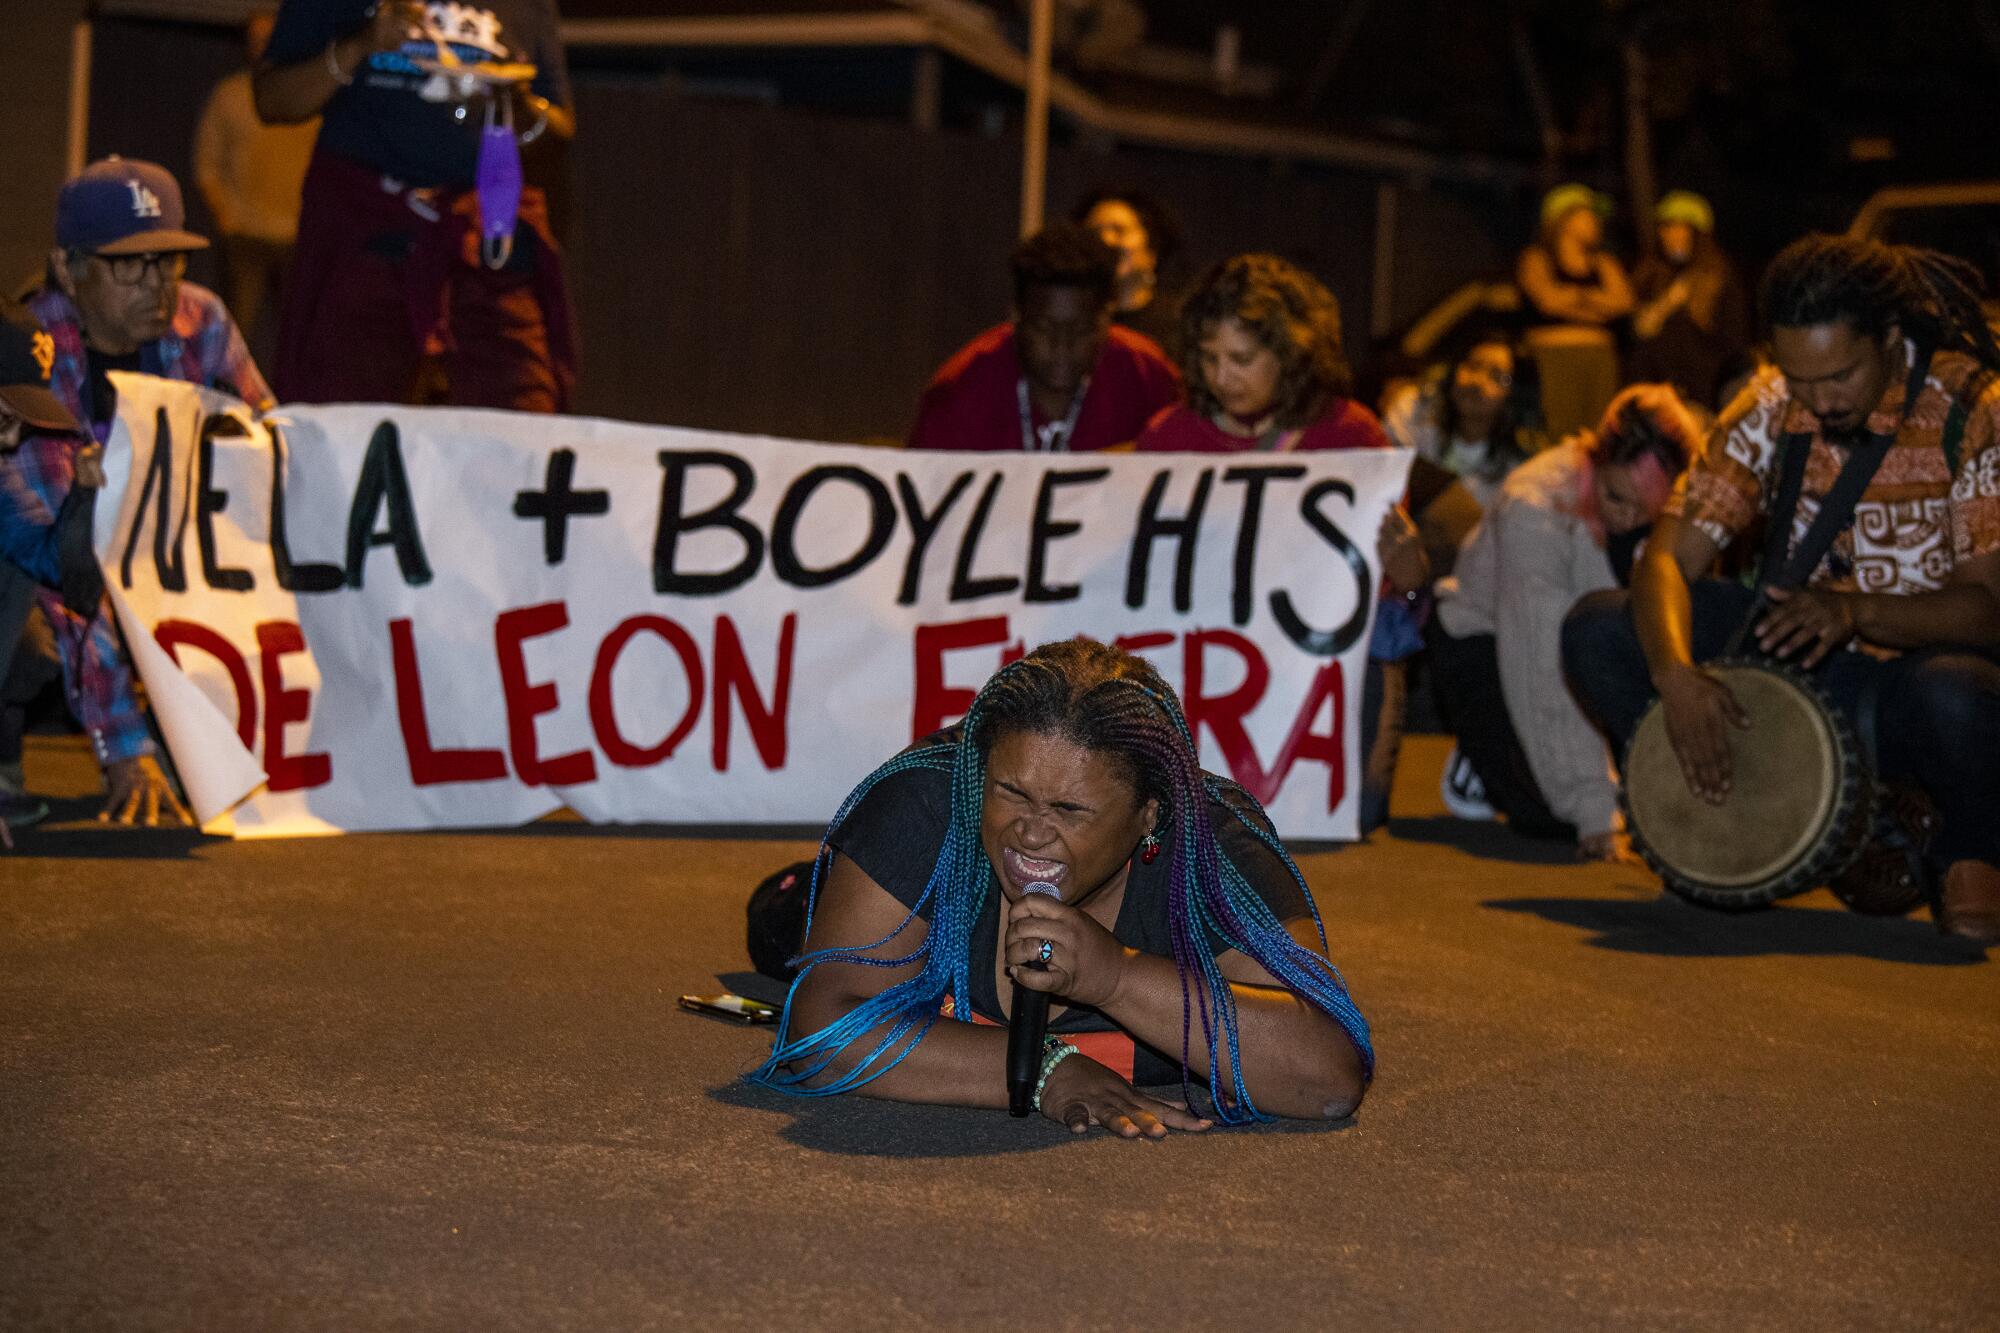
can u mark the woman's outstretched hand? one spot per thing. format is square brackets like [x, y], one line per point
[1081, 1093]
[1085, 960]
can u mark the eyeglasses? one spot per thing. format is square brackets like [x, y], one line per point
[131, 270]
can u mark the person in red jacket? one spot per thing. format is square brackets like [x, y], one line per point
[1260, 344]
[1059, 377]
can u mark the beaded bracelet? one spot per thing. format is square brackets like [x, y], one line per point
[1054, 1051]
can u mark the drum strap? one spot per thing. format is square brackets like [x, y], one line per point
[1961, 408]
[1836, 510]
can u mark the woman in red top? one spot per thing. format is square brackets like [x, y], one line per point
[1264, 370]
[1261, 352]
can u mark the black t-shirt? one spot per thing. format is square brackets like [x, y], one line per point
[97, 377]
[894, 835]
[380, 119]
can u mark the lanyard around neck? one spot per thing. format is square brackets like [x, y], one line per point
[1054, 437]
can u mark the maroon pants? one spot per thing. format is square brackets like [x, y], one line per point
[387, 304]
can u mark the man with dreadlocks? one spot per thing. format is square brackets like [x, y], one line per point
[1181, 941]
[1882, 355]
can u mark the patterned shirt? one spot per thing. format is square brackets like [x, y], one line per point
[1916, 522]
[204, 347]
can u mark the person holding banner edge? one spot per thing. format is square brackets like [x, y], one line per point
[1180, 941]
[56, 555]
[113, 298]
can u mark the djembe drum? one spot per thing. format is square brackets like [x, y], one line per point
[1801, 803]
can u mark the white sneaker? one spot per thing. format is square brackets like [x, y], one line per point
[1464, 794]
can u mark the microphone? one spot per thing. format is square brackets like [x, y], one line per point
[1026, 1026]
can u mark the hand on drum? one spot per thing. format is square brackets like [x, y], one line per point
[1805, 620]
[1699, 712]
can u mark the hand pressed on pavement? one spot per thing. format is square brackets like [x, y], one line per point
[138, 793]
[1613, 847]
[1081, 1092]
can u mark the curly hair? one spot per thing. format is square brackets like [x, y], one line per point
[1067, 254]
[1868, 285]
[1289, 311]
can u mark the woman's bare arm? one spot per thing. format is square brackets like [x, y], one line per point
[1297, 1062]
[290, 93]
[956, 1064]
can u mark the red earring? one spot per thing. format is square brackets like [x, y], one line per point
[1149, 848]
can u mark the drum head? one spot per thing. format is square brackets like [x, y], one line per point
[1785, 789]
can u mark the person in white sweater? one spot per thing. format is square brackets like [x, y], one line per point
[1498, 631]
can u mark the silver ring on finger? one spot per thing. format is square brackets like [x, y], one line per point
[1046, 952]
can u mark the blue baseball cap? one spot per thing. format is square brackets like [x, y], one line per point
[123, 206]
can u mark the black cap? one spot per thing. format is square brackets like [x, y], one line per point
[27, 357]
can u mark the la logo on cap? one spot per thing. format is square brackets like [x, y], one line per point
[43, 348]
[145, 204]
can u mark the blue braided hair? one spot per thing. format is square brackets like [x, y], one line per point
[1113, 704]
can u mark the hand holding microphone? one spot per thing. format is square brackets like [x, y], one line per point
[1050, 948]
[1052, 944]
[1028, 1024]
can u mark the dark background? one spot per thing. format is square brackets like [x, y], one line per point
[763, 241]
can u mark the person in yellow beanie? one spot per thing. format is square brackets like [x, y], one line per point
[1694, 314]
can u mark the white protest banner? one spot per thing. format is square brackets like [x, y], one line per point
[414, 618]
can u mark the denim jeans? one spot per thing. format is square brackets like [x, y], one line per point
[1937, 710]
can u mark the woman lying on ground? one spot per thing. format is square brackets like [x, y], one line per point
[1183, 943]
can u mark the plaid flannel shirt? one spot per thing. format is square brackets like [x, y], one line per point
[203, 347]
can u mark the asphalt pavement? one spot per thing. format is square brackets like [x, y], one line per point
[440, 1081]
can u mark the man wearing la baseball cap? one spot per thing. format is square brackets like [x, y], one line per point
[114, 298]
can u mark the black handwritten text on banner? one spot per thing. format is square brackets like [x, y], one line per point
[401, 618]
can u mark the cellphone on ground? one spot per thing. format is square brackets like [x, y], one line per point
[734, 1008]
